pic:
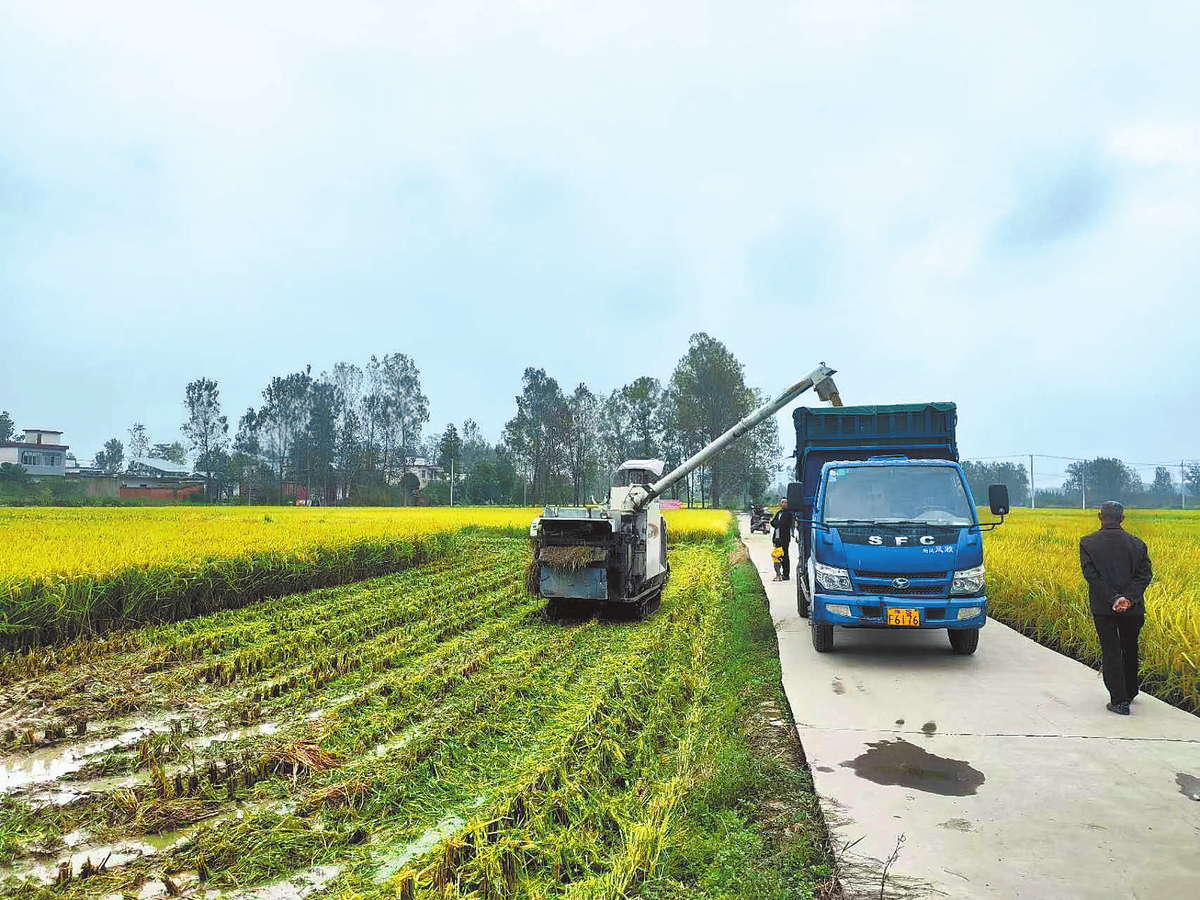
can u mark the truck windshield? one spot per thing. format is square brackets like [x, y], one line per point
[929, 495]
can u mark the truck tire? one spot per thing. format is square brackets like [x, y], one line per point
[802, 607]
[822, 637]
[963, 641]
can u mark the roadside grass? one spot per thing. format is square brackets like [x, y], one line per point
[752, 828]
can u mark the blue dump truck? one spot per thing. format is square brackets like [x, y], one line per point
[887, 527]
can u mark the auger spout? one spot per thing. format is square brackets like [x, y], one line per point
[821, 378]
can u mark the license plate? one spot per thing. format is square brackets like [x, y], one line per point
[910, 617]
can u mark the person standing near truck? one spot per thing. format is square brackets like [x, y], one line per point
[1116, 566]
[782, 523]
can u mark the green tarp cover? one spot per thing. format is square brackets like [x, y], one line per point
[875, 410]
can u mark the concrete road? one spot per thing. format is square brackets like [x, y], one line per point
[994, 775]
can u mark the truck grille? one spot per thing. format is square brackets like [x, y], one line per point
[862, 573]
[917, 590]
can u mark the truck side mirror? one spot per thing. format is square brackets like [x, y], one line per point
[795, 496]
[997, 499]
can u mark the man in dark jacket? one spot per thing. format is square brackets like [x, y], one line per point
[1116, 566]
[782, 523]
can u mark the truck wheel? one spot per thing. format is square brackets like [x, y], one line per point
[801, 597]
[822, 637]
[964, 640]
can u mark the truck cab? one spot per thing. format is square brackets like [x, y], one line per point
[889, 535]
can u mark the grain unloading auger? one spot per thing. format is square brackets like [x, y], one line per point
[617, 555]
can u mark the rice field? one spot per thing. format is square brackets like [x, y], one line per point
[1035, 585]
[429, 733]
[66, 573]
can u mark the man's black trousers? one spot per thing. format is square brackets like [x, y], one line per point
[786, 562]
[1119, 648]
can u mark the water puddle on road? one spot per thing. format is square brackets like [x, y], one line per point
[1189, 785]
[907, 765]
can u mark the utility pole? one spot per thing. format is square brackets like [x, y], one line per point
[1182, 486]
[451, 482]
[1083, 490]
[1032, 486]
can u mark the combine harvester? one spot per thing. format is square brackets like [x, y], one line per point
[617, 556]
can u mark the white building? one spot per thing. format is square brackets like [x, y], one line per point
[42, 452]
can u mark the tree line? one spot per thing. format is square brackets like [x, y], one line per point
[1088, 482]
[352, 434]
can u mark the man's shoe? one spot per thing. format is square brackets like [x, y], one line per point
[1121, 709]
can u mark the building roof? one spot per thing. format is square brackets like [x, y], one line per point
[44, 430]
[34, 446]
[161, 465]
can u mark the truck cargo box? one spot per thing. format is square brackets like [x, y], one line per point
[915, 430]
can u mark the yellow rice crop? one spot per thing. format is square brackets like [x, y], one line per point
[42, 541]
[65, 572]
[697, 524]
[1034, 584]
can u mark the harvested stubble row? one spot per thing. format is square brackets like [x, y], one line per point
[1035, 585]
[574, 738]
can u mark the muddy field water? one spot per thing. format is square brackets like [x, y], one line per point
[400, 734]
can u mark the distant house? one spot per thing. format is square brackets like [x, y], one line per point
[158, 479]
[42, 452]
[426, 471]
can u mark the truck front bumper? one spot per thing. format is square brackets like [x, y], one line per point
[871, 610]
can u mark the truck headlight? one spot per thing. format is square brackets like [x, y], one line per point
[838, 609]
[969, 612]
[832, 578]
[967, 581]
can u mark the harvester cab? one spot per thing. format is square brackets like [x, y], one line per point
[617, 555]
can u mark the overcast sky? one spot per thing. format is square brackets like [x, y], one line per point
[999, 206]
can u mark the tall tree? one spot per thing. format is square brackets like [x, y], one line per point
[139, 441]
[616, 437]
[474, 447]
[284, 417]
[173, 452]
[1100, 479]
[640, 402]
[409, 407]
[538, 432]
[1191, 482]
[710, 395]
[246, 451]
[319, 441]
[8, 428]
[205, 427]
[584, 409]
[112, 458]
[348, 457]
[449, 449]
[1162, 490]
